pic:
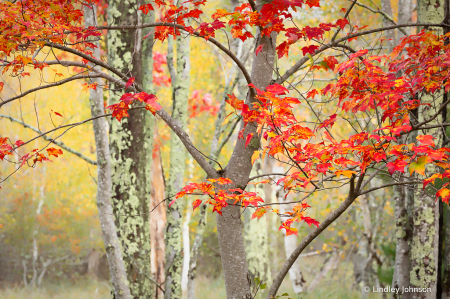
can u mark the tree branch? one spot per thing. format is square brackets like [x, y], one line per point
[210, 39]
[383, 14]
[60, 82]
[58, 143]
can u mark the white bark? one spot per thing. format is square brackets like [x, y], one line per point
[186, 251]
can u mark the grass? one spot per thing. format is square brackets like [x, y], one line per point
[205, 289]
[83, 288]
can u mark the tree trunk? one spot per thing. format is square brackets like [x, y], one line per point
[186, 252]
[256, 239]
[131, 146]
[158, 222]
[446, 254]
[389, 34]
[424, 244]
[174, 246]
[404, 16]
[229, 225]
[402, 234]
[194, 252]
[112, 244]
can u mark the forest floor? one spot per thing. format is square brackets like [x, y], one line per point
[206, 289]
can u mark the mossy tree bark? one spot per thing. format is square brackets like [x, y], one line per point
[424, 243]
[131, 148]
[174, 246]
[109, 230]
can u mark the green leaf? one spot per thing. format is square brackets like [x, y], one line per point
[263, 286]
[257, 280]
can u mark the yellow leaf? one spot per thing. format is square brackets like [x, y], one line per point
[255, 156]
[347, 173]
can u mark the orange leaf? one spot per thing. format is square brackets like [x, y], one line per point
[196, 203]
[54, 152]
[255, 156]
[259, 213]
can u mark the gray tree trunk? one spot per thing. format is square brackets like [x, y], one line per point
[131, 148]
[174, 245]
[229, 225]
[446, 254]
[255, 237]
[404, 16]
[112, 243]
[390, 34]
[194, 252]
[403, 235]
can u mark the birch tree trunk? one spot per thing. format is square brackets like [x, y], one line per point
[36, 228]
[174, 246]
[290, 243]
[256, 239]
[186, 252]
[112, 244]
[424, 244]
[131, 148]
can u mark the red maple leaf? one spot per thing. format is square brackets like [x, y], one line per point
[341, 23]
[309, 50]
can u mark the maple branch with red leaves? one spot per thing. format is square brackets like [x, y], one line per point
[305, 59]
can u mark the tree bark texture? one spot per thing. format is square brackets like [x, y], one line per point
[255, 237]
[114, 255]
[229, 225]
[402, 235]
[424, 243]
[404, 16]
[131, 148]
[174, 245]
[195, 251]
[446, 254]
[390, 34]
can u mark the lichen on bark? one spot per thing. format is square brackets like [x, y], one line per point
[131, 151]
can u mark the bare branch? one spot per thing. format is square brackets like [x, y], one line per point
[58, 143]
[60, 82]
